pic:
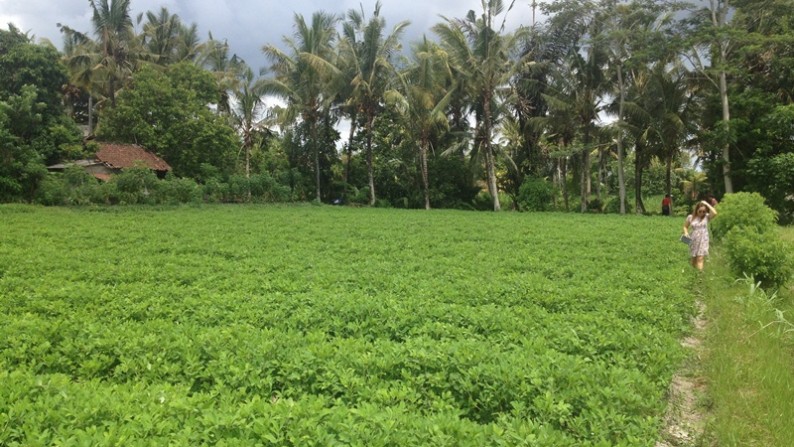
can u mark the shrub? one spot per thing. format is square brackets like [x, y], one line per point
[745, 210]
[760, 254]
[52, 190]
[612, 206]
[136, 185]
[595, 205]
[483, 201]
[536, 194]
[175, 190]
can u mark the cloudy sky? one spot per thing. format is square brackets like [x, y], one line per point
[246, 24]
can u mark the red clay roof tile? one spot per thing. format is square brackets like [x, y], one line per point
[120, 156]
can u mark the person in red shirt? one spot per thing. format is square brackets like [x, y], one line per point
[667, 205]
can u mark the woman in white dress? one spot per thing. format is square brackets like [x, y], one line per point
[698, 222]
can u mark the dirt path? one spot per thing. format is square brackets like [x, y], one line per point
[684, 420]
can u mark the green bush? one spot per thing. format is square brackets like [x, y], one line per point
[174, 190]
[536, 194]
[256, 188]
[136, 185]
[612, 206]
[483, 201]
[743, 209]
[761, 254]
[52, 190]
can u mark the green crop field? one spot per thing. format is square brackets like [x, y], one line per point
[320, 326]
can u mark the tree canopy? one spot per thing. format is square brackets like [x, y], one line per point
[609, 103]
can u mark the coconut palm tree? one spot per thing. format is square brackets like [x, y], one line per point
[480, 51]
[423, 101]
[304, 76]
[676, 110]
[227, 70]
[167, 39]
[246, 114]
[559, 124]
[116, 43]
[80, 58]
[369, 51]
[188, 46]
[631, 37]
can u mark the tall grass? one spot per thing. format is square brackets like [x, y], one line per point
[749, 361]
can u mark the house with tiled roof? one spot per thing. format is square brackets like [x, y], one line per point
[112, 158]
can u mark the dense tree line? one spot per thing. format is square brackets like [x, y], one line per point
[604, 104]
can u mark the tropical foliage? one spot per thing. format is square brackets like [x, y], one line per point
[595, 98]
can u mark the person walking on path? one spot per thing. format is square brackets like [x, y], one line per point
[698, 222]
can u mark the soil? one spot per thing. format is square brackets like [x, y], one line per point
[684, 421]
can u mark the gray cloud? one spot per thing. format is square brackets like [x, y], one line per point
[246, 24]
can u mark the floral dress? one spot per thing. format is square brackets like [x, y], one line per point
[699, 233]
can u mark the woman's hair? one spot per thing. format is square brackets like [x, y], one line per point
[697, 207]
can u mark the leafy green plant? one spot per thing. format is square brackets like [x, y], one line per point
[762, 255]
[743, 209]
[301, 325]
[536, 194]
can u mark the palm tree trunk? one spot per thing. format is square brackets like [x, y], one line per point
[316, 150]
[370, 170]
[90, 115]
[112, 85]
[490, 164]
[602, 168]
[719, 14]
[638, 167]
[317, 170]
[492, 178]
[726, 149]
[621, 174]
[248, 167]
[349, 149]
[583, 170]
[564, 172]
[585, 174]
[668, 187]
[425, 179]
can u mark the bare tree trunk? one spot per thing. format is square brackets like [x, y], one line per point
[317, 169]
[489, 160]
[564, 169]
[425, 177]
[638, 166]
[602, 168]
[719, 14]
[316, 149]
[490, 163]
[583, 174]
[370, 170]
[112, 85]
[90, 115]
[349, 149]
[248, 166]
[621, 174]
[726, 149]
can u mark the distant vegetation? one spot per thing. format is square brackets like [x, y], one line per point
[605, 106]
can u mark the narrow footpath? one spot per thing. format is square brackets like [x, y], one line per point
[684, 421]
